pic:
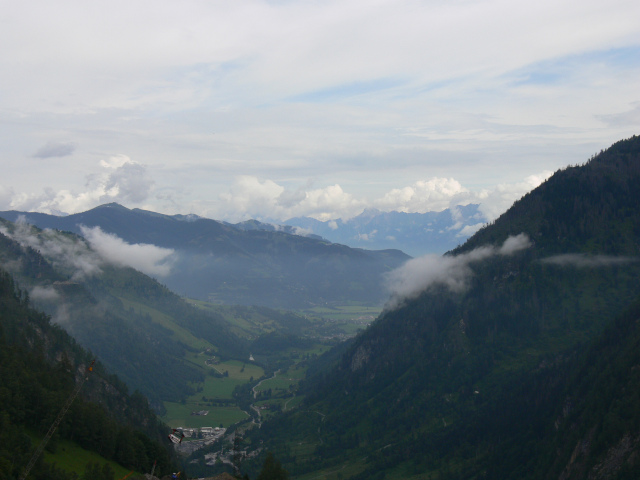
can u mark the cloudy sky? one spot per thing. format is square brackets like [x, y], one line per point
[279, 108]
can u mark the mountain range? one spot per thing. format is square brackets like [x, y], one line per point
[210, 260]
[416, 234]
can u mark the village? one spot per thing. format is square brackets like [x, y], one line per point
[198, 438]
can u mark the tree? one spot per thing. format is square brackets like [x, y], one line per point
[272, 469]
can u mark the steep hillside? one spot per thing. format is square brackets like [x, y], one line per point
[462, 375]
[591, 208]
[596, 431]
[136, 326]
[219, 262]
[39, 366]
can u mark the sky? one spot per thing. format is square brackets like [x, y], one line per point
[273, 109]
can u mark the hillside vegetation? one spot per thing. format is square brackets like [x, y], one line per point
[39, 366]
[138, 327]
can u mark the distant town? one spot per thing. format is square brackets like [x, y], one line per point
[199, 437]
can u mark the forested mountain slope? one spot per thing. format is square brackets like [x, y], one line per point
[39, 366]
[596, 433]
[136, 326]
[463, 375]
[592, 208]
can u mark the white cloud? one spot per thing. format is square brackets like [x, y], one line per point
[423, 196]
[149, 259]
[580, 260]
[250, 197]
[120, 180]
[68, 253]
[74, 256]
[46, 294]
[495, 202]
[419, 274]
[469, 230]
[303, 232]
[6, 196]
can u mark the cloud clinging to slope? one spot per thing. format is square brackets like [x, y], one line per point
[580, 260]
[149, 259]
[452, 272]
[81, 260]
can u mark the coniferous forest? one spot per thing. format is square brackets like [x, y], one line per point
[39, 366]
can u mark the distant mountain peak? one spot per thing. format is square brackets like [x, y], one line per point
[414, 233]
[190, 217]
[369, 212]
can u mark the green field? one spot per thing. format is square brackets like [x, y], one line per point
[240, 370]
[213, 389]
[72, 458]
[179, 415]
[283, 380]
[292, 402]
[345, 312]
[323, 323]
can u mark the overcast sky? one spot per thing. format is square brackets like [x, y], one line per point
[273, 109]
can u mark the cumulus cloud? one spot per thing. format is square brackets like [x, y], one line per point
[469, 230]
[453, 272]
[496, 201]
[128, 183]
[55, 149]
[580, 260]
[250, 197]
[6, 194]
[149, 259]
[119, 180]
[124, 181]
[423, 196]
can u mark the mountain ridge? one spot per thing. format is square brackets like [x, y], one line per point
[218, 262]
[414, 233]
